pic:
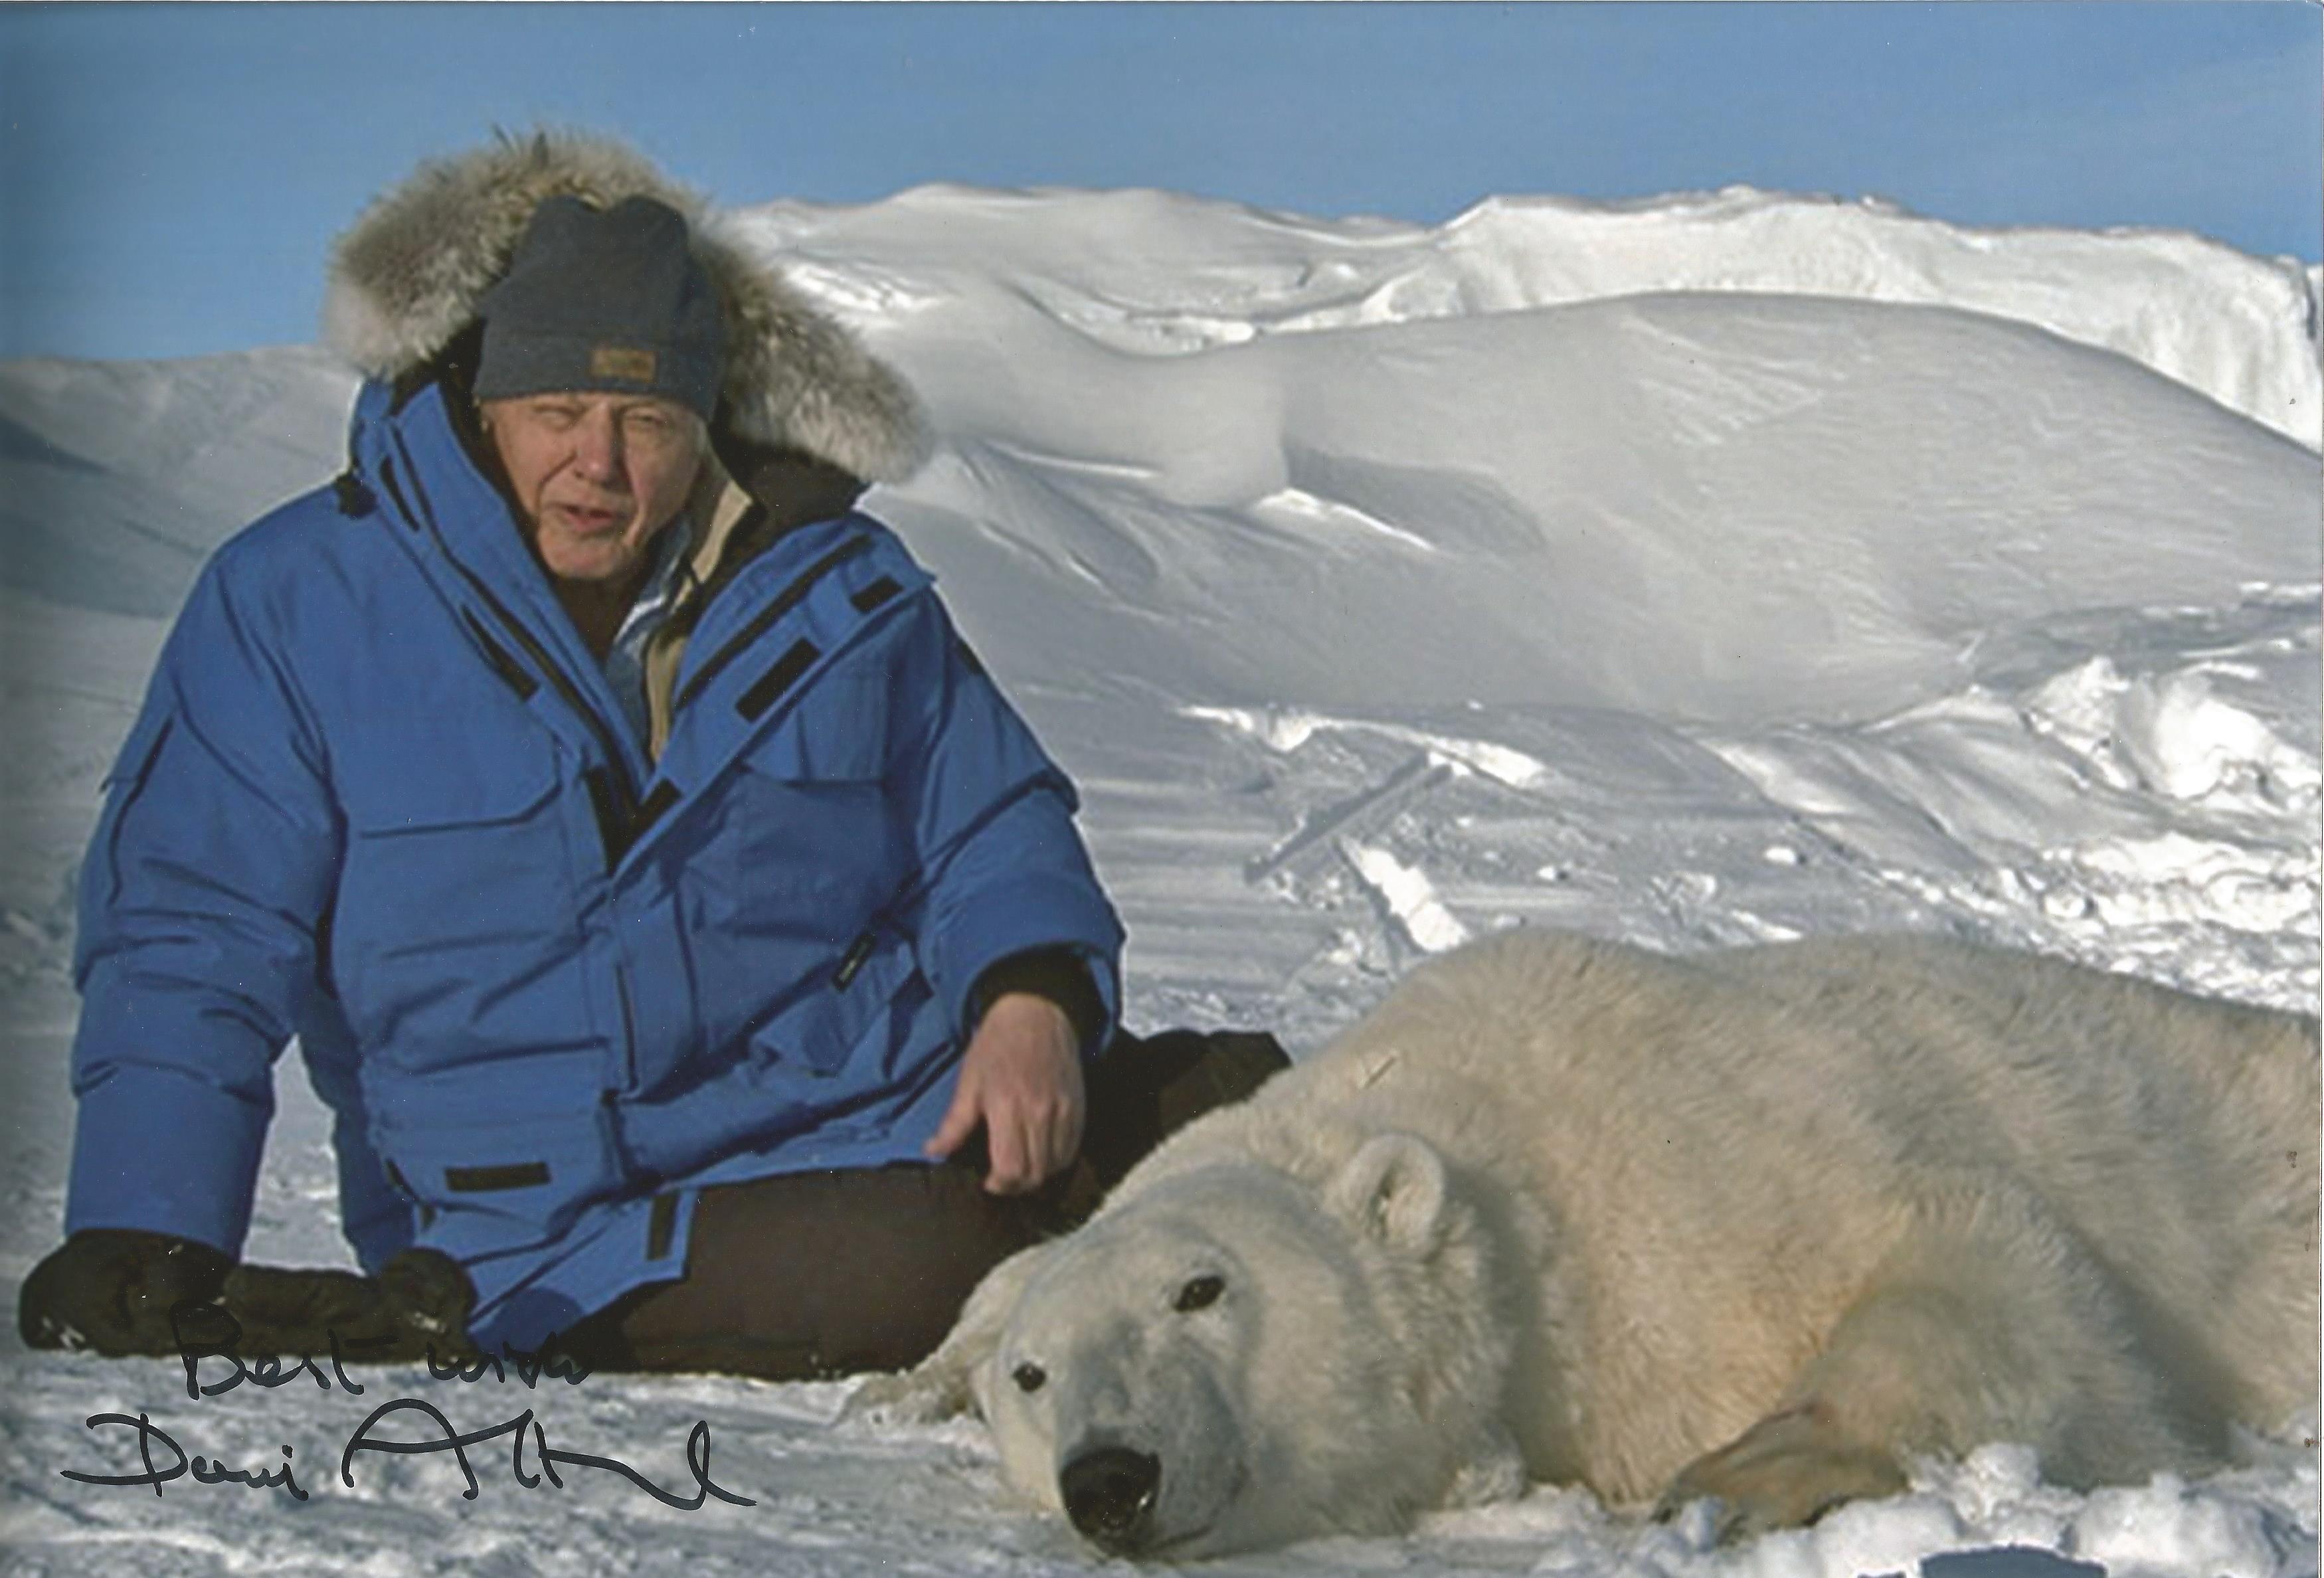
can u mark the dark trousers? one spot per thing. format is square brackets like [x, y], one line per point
[817, 1274]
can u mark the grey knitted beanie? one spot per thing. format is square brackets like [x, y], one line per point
[609, 299]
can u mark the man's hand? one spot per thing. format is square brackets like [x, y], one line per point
[1021, 1079]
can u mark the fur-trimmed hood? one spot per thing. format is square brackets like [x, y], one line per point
[406, 277]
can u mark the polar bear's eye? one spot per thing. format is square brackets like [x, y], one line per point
[1200, 1294]
[1030, 1377]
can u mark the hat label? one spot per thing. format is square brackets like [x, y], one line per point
[624, 362]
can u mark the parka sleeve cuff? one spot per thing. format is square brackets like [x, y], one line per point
[1023, 915]
[1056, 975]
[159, 1150]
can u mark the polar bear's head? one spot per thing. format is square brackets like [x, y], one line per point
[1231, 1357]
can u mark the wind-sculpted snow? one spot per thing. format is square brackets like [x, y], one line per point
[1714, 510]
[116, 479]
[1158, 273]
[1379, 587]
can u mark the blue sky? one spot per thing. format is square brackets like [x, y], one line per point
[172, 176]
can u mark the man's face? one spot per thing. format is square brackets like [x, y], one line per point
[594, 476]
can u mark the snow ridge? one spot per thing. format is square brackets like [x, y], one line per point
[1169, 274]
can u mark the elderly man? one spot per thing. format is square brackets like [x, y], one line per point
[657, 886]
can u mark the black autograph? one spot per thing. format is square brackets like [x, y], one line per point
[698, 1455]
[203, 1470]
[206, 1472]
[269, 1371]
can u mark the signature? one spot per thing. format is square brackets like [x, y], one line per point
[205, 1472]
[698, 1455]
[220, 1339]
[523, 1427]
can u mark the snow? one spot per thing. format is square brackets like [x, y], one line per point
[1723, 567]
[1154, 272]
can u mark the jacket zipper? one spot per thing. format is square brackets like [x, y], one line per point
[629, 1028]
[624, 793]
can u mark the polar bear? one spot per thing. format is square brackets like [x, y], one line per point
[1753, 1225]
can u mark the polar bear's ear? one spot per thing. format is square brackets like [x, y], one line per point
[1393, 1190]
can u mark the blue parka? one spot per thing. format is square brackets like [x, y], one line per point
[381, 799]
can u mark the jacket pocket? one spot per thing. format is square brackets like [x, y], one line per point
[125, 785]
[514, 1182]
[802, 845]
[454, 933]
[810, 813]
[843, 1016]
[467, 777]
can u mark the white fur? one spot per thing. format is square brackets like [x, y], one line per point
[1752, 1225]
[407, 276]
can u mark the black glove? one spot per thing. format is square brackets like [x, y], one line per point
[120, 1291]
[111, 1289]
[417, 1307]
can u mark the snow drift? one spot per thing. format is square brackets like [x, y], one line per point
[1154, 272]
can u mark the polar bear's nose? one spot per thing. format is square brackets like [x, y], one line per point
[1109, 1494]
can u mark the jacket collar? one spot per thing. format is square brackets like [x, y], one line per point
[409, 446]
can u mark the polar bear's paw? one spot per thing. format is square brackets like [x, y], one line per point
[911, 1396]
[1497, 1472]
[1788, 1470]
